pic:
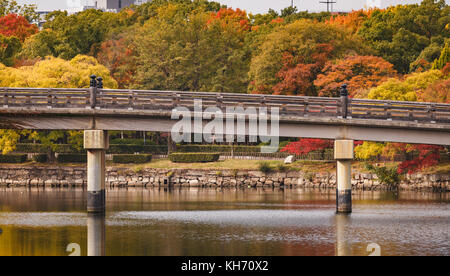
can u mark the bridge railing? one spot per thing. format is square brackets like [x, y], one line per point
[116, 99]
[167, 100]
[400, 110]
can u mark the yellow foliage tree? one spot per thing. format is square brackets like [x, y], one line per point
[56, 73]
[406, 90]
[50, 73]
[369, 150]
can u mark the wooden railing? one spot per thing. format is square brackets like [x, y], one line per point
[107, 99]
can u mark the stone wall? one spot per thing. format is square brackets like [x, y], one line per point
[55, 176]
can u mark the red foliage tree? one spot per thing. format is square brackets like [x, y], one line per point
[297, 74]
[428, 155]
[16, 25]
[305, 146]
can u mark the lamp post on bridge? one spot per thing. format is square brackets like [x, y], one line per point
[344, 101]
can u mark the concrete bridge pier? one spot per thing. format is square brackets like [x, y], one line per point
[96, 142]
[344, 154]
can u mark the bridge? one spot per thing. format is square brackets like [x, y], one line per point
[97, 110]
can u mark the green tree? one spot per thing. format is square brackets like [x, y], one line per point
[443, 59]
[11, 6]
[399, 34]
[181, 53]
[9, 47]
[66, 36]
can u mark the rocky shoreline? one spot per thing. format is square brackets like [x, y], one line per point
[62, 176]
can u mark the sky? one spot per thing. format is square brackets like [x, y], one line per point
[259, 6]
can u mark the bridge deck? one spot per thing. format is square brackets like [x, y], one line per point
[138, 100]
[314, 117]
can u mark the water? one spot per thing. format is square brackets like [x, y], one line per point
[190, 222]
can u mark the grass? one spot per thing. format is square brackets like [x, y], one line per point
[229, 164]
[438, 169]
[238, 164]
[235, 164]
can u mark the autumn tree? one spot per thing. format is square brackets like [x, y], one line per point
[352, 20]
[436, 92]
[50, 72]
[405, 90]
[298, 51]
[56, 73]
[424, 156]
[297, 74]
[117, 56]
[358, 72]
[426, 86]
[16, 25]
[305, 146]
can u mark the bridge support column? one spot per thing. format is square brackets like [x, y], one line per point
[344, 154]
[96, 142]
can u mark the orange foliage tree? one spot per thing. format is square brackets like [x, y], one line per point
[359, 72]
[237, 19]
[352, 20]
[437, 92]
[117, 56]
[16, 25]
[297, 75]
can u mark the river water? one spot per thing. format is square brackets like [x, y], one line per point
[213, 222]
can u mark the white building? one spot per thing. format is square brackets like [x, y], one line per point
[75, 6]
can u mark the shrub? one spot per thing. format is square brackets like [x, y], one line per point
[194, 157]
[31, 148]
[387, 176]
[40, 158]
[71, 158]
[125, 141]
[39, 148]
[265, 167]
[132, 158]
[13, 158]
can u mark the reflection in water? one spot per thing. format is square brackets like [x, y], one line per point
[214, 222]
[342, 242]
[96, 234]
